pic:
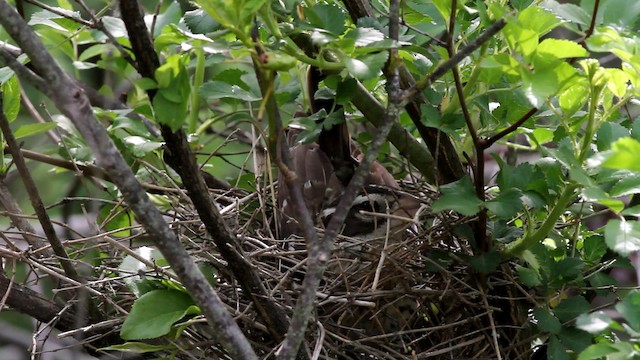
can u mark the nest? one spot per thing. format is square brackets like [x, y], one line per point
[410, 296]
[414, 297]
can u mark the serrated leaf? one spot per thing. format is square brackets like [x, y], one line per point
[155, 312]
[506, 204]
[597, 351]
[593, 248]
[593, 323]
[365, 36]
[567, 268]
[546, 321]
[55, 21]
[538, 20]
[366, 67]
[200, 22]
[327, 17]
[608, 133]
[141, 146]
[629, 184]
[570, 12]
[539, 85]
[486, 263]
[528, 277]
[212, 90]
[575, 339]
[555, 350]
[168, 112]
[622, 236]
[33, 129]
[571, 308]
[458, 196]
[560, 49]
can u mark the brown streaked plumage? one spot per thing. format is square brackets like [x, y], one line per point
[322, 189]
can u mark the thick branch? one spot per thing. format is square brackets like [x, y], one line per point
[180, 157]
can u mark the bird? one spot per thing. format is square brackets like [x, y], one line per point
[326, 166]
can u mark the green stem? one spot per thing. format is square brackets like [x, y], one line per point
[198, 79]
[519, 246]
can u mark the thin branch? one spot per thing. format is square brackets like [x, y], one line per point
[73, 103]
[453, 60]
[481, 225]
[513, 127]
[444, 160]
[36, 200]
[320, 252]
[592, 25]
[15, 214]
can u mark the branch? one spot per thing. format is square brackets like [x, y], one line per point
[447, 163]
[454, 60]
[28, 232]
[73, 103]
[181, 158]
[320, 252]
[36, 200]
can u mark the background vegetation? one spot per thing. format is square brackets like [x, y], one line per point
[141, 145]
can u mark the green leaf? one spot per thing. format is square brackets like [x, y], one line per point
[487, 262]
[528, 277]
[212, 90]
[55, 21]
[570, 12]
[629, 184]
[168, 112]
[116, 218]
[11, 98]
[506, 204]
[575, 339]
[539, 85]
[555, 350]
[593, 323]
[546, 321]
[624, 155]
[573, 97]
[199, 22]
[33, 129]
[365, 36]
[597, 351]
[538, 20]
[608, 133]
[593, 248]
[326, 17]
[560, 49]
[155, 312]
[571, 308]
[622, 236]
[137, 347]
[525, 40]
[141, 146]
[629, 308]
[568, 268]
[132, 265]
[618, 82]
[458, 196]
[366, 67]
[518, 177]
